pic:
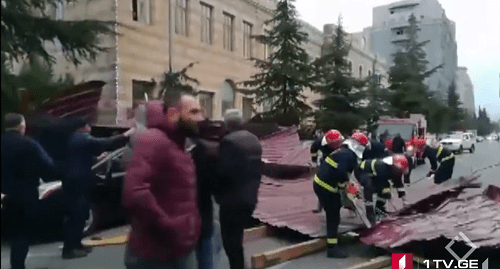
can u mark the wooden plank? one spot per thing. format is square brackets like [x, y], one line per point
[117, 240]
[375, 263]
[280, 255]
[257, 233]
[249, 235]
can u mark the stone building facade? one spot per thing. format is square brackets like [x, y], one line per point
[216, 34]
[389, 28]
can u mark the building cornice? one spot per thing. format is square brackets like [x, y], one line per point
[258, 4]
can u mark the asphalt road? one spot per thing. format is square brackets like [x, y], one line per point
[48, 255]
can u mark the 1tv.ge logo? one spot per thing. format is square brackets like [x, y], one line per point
[405, 260]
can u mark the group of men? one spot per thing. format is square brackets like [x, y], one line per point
[26, 160]
[168, 186]
[369, 162]
[168, 190]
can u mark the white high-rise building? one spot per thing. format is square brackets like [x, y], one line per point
[389, 29]
[465, 90]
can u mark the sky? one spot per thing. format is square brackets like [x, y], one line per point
[477, 32]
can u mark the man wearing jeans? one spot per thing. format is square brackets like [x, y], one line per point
[239, 167]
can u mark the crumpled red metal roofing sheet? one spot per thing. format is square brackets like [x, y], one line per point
[289, 203]
[475, 214]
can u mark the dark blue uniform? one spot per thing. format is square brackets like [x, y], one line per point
[332, 175]
[446, 159]
[376, 151]
[24, 162]
[374, 175]
[317, 147]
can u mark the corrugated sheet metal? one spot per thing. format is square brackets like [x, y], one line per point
[444, 214]
[289, 203]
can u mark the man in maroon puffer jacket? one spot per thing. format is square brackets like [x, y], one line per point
[159, 192]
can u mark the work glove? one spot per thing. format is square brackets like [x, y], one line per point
[353, 189]
[432, 172]
[405, 202]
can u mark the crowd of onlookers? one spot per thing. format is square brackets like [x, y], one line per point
[168, 186]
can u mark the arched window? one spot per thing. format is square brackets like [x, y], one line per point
[227, 95]
[360, 71]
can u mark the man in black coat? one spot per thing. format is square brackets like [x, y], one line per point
[398, 145]
[205, 155]
[377, 150]
[24, 162]
[79, 178]
[239, 167]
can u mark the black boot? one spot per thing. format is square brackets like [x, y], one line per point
[370, 214]
[74, 254]
[336, 252]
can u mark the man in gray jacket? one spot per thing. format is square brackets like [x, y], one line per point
[238, 183]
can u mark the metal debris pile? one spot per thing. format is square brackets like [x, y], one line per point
[456, 213]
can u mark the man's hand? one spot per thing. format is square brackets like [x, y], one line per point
[129, 132]
[3, 196]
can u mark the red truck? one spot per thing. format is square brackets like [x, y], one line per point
[411, 128]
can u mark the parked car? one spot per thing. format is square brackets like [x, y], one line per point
[479, 139]
[459, 142]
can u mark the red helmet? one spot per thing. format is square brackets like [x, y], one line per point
[361, 138]
[400, 163]
[333, 138]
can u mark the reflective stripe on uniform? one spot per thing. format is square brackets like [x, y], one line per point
[401, 189]
[331, 162]
[324, 185]
[373, 168]
[440, 149]
[386, 190]
[362, 166]
[448, 158]
[332, 240]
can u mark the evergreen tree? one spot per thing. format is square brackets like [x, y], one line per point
[26, 28]
[484, 125]
[341, 93]
[407, 75]
[284, 76]
[456, 113]
[178, 81]
[377, 100]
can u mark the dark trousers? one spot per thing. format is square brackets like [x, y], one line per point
[204, 251]
[444, 171]
[21, 221]
[77, 210]
[233, 220]
[132, 261]
[332, 204]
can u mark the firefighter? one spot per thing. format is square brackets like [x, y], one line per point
[410, 152]
[375, 150]
[332, 178]
[436, 155]
[375, 176]
[324, 145]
